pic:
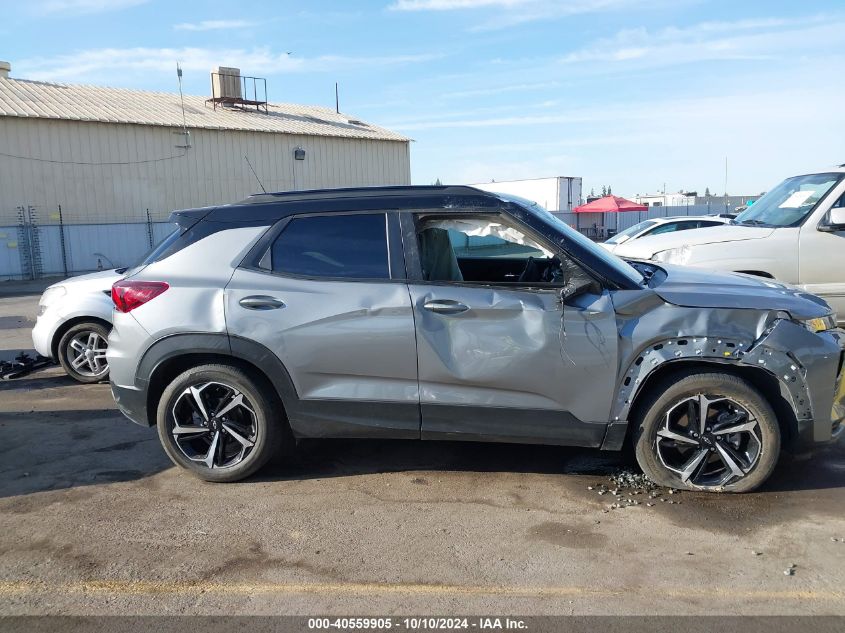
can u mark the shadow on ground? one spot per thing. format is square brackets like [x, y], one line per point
[53, 450]
[340, 458]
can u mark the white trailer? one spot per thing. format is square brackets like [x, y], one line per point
[559, 194]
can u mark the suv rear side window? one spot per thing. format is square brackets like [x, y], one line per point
[347, 246]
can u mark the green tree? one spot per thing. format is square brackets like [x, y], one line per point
[609, 192]
[437, 183]
[603, 191]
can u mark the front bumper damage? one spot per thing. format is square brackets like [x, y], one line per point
[808, 367]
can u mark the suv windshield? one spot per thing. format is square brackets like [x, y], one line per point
[790, 202]
[571, 234]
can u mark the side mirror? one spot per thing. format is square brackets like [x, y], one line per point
[834, 221]
[575, 288]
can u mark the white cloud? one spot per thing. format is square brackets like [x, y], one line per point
[652, 116]
[82, 7]
[497, 90]
[552, 10]
[213, 25]
[712, 41]
[508, 13]
[451, 5]
[99, 64]
[637, 145]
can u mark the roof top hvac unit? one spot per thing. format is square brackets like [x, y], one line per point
[228, 88]
[226, 82]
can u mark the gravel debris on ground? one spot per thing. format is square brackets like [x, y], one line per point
[624, 485]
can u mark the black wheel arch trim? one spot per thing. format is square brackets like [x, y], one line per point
[239, 349]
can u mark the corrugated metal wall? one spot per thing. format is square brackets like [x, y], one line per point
[148, 171]
[113, 174]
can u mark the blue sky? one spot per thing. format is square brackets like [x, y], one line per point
[631, 93]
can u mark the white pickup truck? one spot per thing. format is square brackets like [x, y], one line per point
[795, 234]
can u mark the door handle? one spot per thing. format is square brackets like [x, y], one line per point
[445, 306]
[261, 302]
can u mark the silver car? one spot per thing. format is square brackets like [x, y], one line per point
[457, 314]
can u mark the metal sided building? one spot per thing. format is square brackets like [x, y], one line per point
[88, 175]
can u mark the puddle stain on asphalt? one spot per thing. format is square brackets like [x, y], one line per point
[254, 560]
[567, 535]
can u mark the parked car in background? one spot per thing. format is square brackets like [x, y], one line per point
[75, 317]
[795, 233]
[658, 226]
[73, 324]
[456, 314]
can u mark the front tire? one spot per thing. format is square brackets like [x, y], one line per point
[82, 352]
[707, 431]
[219, 423]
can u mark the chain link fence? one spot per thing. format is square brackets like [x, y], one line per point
[42, 244]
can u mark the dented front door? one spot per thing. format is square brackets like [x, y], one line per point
[514, 364]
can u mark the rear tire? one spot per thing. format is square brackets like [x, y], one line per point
[733, 447]
[219, 423]
[82, 352]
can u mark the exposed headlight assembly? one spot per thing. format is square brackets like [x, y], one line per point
[821, 324]
[678, 256]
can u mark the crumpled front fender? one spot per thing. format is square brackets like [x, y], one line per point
[805, 365]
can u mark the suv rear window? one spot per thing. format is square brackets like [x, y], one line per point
[347, 246]
[164, 246]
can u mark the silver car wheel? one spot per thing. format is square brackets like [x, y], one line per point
[86, 353]
[709, 442]
[213, 424]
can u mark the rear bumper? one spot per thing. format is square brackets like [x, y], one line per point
[132, 403]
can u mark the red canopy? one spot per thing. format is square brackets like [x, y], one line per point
[612, 204]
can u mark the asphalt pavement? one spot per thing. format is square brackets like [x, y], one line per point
[94, 519]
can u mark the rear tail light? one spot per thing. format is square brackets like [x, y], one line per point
[128, 294]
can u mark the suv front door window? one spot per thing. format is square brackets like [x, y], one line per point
[500, 354]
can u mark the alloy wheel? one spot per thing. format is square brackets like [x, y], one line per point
[214, 424]
[87, 354]
[709, 441]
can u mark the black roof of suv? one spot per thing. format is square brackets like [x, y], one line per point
[264, 207]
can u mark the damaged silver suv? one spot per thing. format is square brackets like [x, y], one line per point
[452, 313]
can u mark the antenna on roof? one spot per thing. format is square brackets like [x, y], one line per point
[185, 133]
[254, 174]
[336, 99]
